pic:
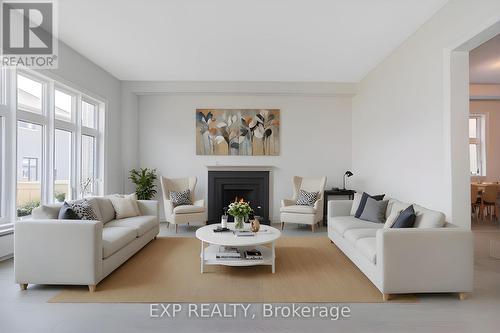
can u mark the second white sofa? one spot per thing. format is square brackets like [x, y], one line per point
[434, 256]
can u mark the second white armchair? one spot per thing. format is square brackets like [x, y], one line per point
[182, 214]
[291, 212]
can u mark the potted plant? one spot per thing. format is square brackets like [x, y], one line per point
[144, 180]
[240, 211]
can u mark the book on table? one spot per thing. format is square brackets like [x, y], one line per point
[224, 252]
[243, 233]
[253, 254]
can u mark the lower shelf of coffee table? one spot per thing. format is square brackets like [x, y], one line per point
[211, 251]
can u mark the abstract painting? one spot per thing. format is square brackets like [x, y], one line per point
[237, 132]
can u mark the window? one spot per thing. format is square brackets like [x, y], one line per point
[476, 145]
[88, 114]
[29, 94]
[88, 165]
[62, 165]
[59, 138]
[63, 105]
[6, 155]
[29, 153]
[30, 169]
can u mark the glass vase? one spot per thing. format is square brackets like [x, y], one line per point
[239, 222]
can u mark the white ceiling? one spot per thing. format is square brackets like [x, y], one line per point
[484, 62]
[236, 40]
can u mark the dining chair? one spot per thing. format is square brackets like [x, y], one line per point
[489, 201]
[475, 200]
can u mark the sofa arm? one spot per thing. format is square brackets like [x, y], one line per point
[58, 252]
[149, 207]
[339, 208]
[425, 260]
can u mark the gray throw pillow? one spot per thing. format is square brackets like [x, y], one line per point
[374, 211]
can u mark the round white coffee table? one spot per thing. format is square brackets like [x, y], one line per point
[266, 235]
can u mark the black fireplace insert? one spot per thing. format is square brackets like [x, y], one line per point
[225, 187]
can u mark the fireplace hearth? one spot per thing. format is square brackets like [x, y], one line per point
[225, 186]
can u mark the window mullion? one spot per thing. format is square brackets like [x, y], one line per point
[78, 147]
[49, 142]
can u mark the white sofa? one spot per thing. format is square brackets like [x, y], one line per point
[432, 257]
[74, 252]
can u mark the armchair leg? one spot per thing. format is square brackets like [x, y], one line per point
[462, 296]
[176, 228]
[23, 286]
[91, 288]
[386, 297]
[282, 225]
[312, 227]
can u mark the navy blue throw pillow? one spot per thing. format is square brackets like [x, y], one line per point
[362, 202]
[67, 213]
[406, 218]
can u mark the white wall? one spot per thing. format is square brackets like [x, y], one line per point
[399, 123]
[315, 137]
[80, 73]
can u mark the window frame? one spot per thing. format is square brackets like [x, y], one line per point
[49, 122]
[480, 142]
[30, 166]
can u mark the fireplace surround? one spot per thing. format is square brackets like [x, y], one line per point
[225, 186]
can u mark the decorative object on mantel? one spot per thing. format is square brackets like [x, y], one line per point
[144, 180]
[348, 174]
[237, 132]
[240, 211]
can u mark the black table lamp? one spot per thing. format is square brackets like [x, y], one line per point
[348, 174]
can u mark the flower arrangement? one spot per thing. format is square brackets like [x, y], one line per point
[240, 210]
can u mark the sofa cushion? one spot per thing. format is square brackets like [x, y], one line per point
[427, 218]
[391, 218]
[355, 203]
[180, 198]
[141, 224]
[406, 219]
[396, 205]
[298, 209]
[46, 212]
[343, 223]
[67, 213]
[86, 209]
[188, 209]
[125, 205]
[113, 239]
[106, 208]
[352, 235]
[368, 248]
[307, 198]
[374, 211]
[362, 203]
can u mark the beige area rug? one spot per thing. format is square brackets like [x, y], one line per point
[308, 270]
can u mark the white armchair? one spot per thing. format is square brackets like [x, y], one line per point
[195, 213]
[293, 213]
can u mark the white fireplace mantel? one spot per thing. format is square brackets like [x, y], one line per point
[223, 167]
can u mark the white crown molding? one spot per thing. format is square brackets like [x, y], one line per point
[327, 89]
[229, 167]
